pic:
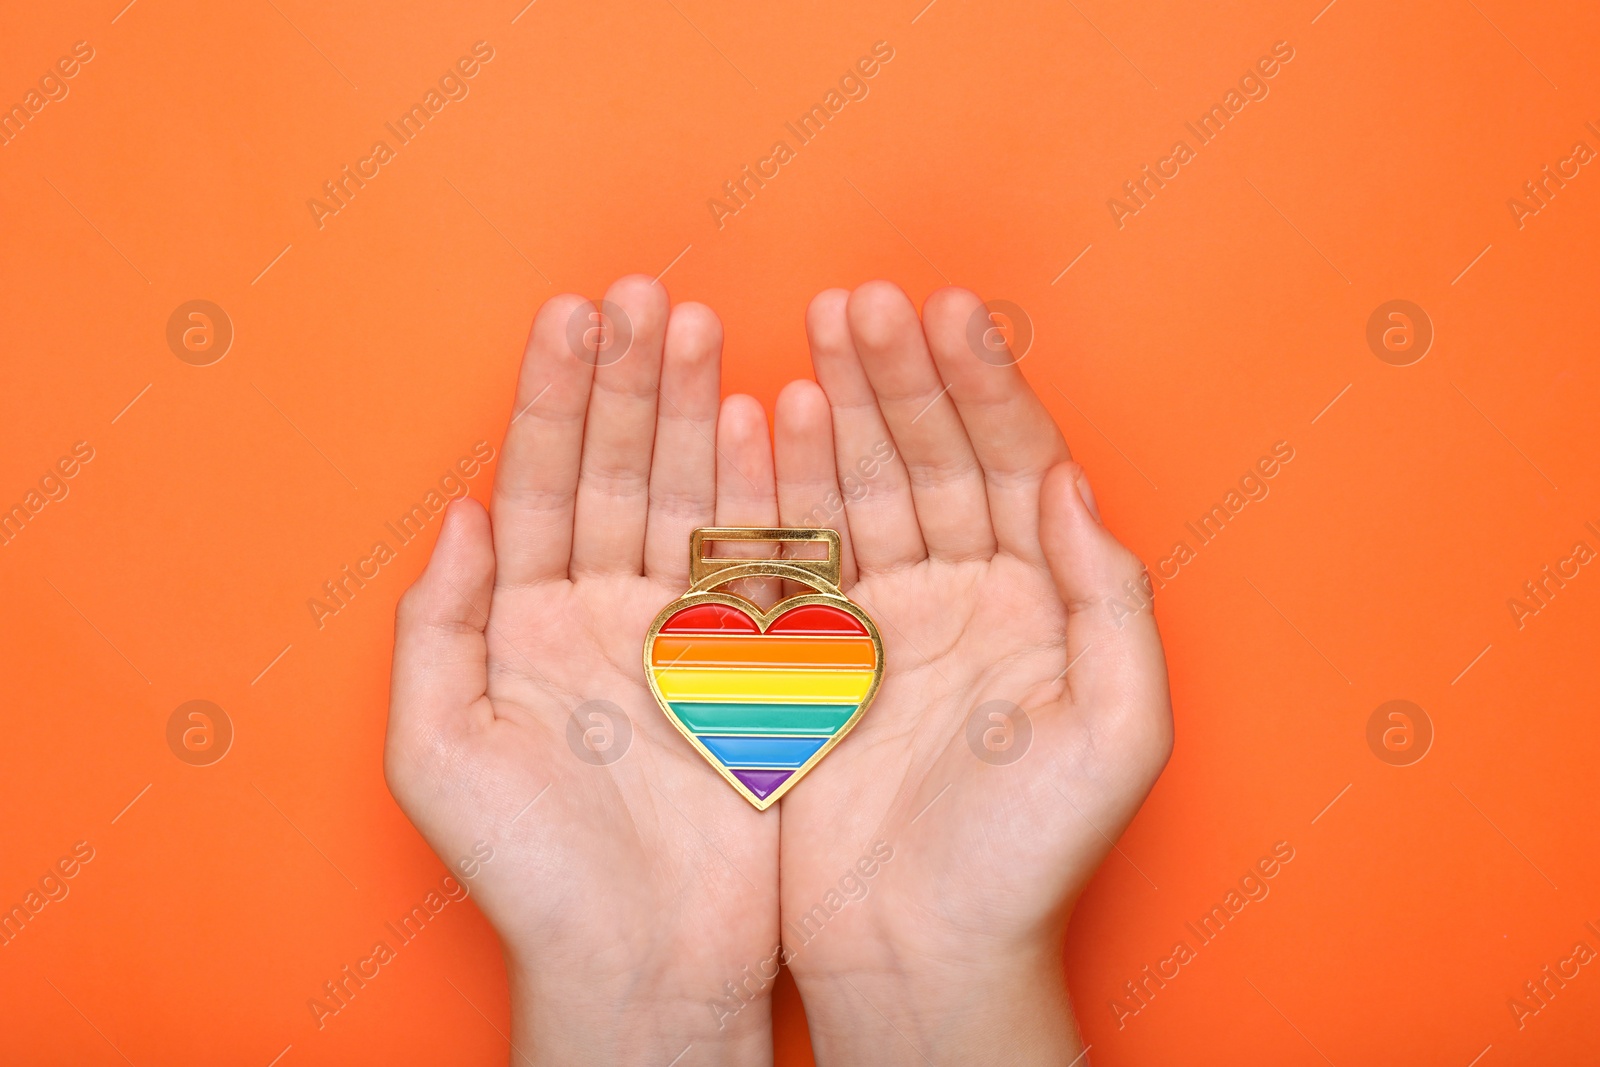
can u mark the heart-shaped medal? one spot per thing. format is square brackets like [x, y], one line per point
[763, 695]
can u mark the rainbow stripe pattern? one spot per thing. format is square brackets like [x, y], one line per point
[762, 704]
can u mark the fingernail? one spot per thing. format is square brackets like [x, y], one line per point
[1087, 494]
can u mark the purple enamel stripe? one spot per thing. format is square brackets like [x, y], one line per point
[761, 783]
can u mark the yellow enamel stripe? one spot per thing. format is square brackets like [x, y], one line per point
[764, 685]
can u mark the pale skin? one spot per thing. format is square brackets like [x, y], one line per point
[637, 885]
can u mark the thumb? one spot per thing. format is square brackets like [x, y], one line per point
[1113, 645]
[440, 675]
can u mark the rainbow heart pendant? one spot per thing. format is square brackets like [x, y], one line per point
[763, 695]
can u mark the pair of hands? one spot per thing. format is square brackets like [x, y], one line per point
[641, 903]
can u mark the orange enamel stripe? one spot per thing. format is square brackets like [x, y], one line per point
[766, 651]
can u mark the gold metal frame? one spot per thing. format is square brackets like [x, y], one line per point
[707, 573]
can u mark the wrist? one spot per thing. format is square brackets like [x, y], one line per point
[642, 1017]
[917, 1009]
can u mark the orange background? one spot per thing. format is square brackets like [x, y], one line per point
[1225, 316]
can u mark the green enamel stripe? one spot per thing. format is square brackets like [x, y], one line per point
[762, 718]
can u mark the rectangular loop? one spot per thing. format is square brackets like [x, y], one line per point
[701, 565]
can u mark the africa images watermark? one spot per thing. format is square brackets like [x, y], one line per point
[1538, 992]
[1252, 888]
[1139, 191]
[1538, 192]
[338, 992]
[1253, 487]
[1538, 591]
[52, 89]
[53, 888]
[852, 487]
[53, 488]
[741, 189]
[452, 86]
[852, 888]
[340, 590]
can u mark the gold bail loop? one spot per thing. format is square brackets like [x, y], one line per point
[701, 565]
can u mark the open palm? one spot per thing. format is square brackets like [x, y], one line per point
[627, 884]
[929, 864]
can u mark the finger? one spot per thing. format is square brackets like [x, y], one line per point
[1113, 647]
[946, 481]
[883, 517]
[746, 495]
[1015, 438]
[683, 472]
[619, 431]
[440, 674]
[808, 479]
[538, 474]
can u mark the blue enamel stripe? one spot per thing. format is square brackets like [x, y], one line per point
[764, 752]
[745, 718]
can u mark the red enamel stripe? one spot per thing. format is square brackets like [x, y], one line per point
[816, 619]
[724, 619]
[710, 618]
